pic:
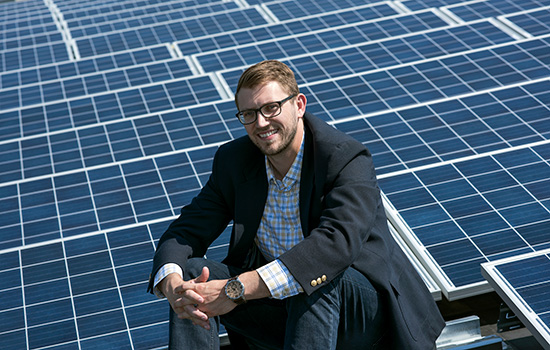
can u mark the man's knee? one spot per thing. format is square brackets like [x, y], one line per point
[193, 268]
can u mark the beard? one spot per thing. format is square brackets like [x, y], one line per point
[278, 146]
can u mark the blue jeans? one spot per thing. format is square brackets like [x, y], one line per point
[346, 313]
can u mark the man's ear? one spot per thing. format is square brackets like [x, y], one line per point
[301, 102]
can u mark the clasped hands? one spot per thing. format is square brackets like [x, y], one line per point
[197, 300]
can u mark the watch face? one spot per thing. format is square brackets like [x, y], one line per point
[234, 289]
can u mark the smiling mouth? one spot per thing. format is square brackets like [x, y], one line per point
[266, 134]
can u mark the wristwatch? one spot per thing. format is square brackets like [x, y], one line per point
[234, 290]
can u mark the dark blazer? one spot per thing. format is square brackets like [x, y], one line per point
[343, 222]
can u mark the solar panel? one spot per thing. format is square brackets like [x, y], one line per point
[90, 84]
[103, 107]
[57, 71]
[169, 31]
[92, 16]
[286, 28]
[534, 22]
[179, 13]
[110, 120]
[523, 283]
[471, 11]
[34, 56]
[466, 212]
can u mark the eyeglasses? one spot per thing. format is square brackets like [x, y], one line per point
[269, 110]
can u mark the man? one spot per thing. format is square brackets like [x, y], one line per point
[311, 263]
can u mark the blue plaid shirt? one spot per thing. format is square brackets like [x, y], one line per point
[280, 228]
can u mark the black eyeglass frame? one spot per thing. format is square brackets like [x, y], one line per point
[279, 103]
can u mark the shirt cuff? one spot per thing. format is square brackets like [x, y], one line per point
[164, 271]
[279, 280]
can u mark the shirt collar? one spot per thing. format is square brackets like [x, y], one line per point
[293, 173]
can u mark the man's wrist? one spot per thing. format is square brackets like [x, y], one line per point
[164, 271]
[234, 290]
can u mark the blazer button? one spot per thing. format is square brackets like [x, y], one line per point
[324, 278]
[319, 281]
[313, 283]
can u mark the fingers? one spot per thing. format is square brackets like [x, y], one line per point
[192, 313]
[205, 274]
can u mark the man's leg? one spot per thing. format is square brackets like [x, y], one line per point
[183, 334]
[344, 314]
[261, 322]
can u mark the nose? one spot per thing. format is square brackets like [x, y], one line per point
[261, 121]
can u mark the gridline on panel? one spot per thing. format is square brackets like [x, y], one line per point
[169, 32]
[493, 8]
[180, 13]
[85, 201]
[360, 33]
[110, 106]
[86, 292]
[90, 84]
[72, 69]
[34, 56]
[468, 212]
[437, 132]
[523, 283]
[534, 22]
[282, 29]
[106, 11]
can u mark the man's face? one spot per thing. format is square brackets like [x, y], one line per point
[277, 135]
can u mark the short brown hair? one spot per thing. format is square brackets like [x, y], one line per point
[267, 71]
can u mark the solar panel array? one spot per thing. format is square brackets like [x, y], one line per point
[524, 283]
[111, 112]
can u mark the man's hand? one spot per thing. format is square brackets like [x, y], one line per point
[183, 299]
[200, 299]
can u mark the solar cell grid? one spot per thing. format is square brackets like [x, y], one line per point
[80, 9]
[284, 28]
[415, 5]
[90, 290]
[18, 29]
[22, 10]
[434, 79]
[330, 39]
[523, 283]
[82, 85]
[452, 129]
[294, 9]
[472, 211]
[337, 57]
[115, 105]
[180, 13]
[34, 56]
[534, 22]
[121, 10]
[118, 141]
[99, 198]
[493, 8]
[97, 64]
[170, 31]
